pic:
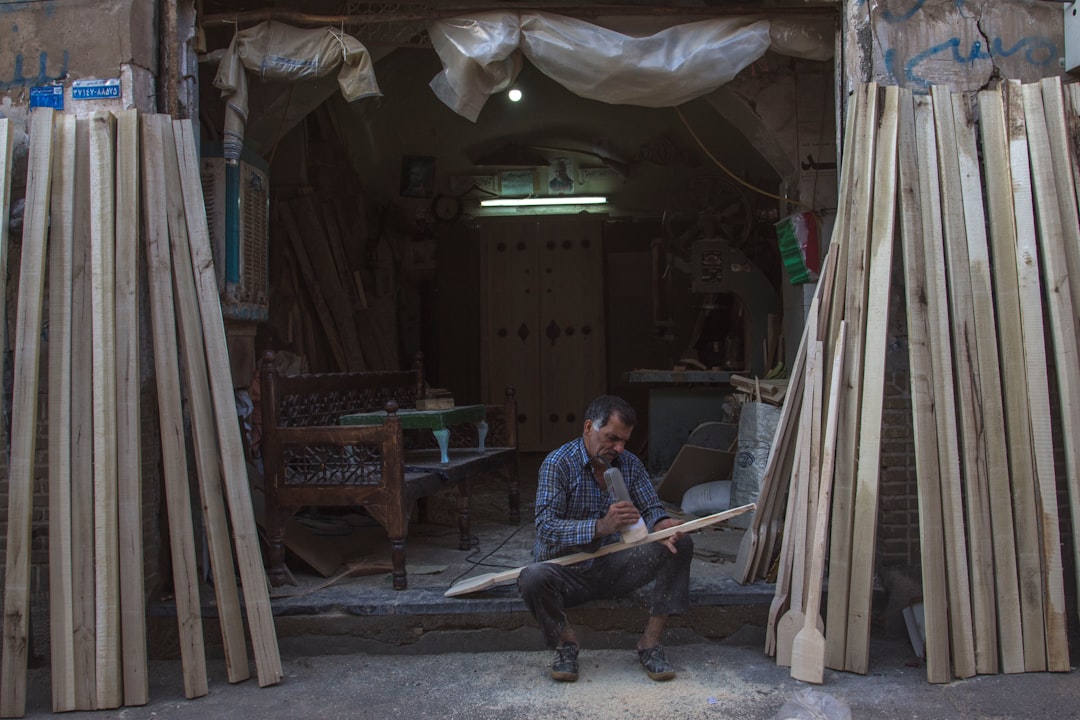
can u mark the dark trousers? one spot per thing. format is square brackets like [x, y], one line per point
[548, 589]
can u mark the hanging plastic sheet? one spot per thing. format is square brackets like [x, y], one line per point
[275, 51]
[674, 65]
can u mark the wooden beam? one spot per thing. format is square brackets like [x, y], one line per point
[1055, 284]
[234, 469]
[847, 440]
[995, 143]
[82, 420]
[61, 239]
[24, 416]
[1004, 583]
[864, 528]
[170, 410]
[1038, 384]
[203, 429]
[923, 400]
[136, 683]
[1061, 269]
[937, 309]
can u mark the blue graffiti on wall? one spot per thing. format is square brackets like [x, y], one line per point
[20, 80]
[48, 7]
[1038, 51]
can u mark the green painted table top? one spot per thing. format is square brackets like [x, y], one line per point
[412, 419]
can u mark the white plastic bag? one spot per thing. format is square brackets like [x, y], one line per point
[811, 704]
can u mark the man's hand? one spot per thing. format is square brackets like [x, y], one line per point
[619, 515]
[669, 542]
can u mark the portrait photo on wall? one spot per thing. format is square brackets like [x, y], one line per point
[561, 176]
[417, 176]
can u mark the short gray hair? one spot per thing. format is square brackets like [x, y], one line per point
[602, 408]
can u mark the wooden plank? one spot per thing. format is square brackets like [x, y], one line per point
[82, 419]
[61, 234]
[841, 228]
[1056, 295]
[782, 592]
[864, 528]
[847, 440]
[133, 655]
[808, 650]
[965, 353]
[952, 511]
[234, 469]
[203, 431]
[1002, 224]
[1061, 268]
[923, 400]
[1038, 384]
[170, 411]
[103, 307]
[1004, 583]
[7, 144]
[792, 621]
[314, 287]
[24, 415]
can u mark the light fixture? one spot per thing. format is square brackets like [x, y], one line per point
[514, 95]
[561, 200]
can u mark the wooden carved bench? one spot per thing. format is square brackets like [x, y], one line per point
[310, 459]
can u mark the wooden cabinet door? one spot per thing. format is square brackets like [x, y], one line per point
[544, 322]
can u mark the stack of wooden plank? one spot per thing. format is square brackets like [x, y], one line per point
[85, 188]
[976, 194]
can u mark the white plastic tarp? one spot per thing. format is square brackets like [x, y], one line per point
[664, 69]
[275, 51]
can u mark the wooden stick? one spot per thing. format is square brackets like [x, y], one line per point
[82, 422]
[1039, 417]
[1057, 297]
[847, 440]
[170, 411]
[102, 297]
[234, 468]
[1004, 585]
[1061, 253]
[808, 649]
[24, 416]
[864, 529]
[203, 431]
[1002, 217]
[792, 620]
[488, 580]
[923, 402]
[782, 592]
[960, 629]
[61, 234]
[136, 684]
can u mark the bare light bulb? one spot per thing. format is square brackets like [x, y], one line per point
[514, 95]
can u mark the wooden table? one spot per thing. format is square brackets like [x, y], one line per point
[438, 421]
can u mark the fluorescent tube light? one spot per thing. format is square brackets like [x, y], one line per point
[563, 200]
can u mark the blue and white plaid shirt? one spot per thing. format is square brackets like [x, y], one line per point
[569, 501]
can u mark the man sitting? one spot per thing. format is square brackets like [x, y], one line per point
[575, 512]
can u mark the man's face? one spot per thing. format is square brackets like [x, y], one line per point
[607, 441]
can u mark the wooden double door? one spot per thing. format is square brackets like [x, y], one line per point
[542, 331]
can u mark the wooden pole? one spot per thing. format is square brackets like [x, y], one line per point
[234, 468]
[1004, 585]
[128, 421]
[24, 416]
[995, 143]
[923, 403]
[203, 431]
[61, 234]
[864, 528]
[170, 411]
[1038, 383]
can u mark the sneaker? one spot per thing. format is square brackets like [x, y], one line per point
[565, 666]
[655, 664]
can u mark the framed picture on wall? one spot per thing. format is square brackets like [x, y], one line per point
[561, 176]
[517, 183]
[417, 176]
